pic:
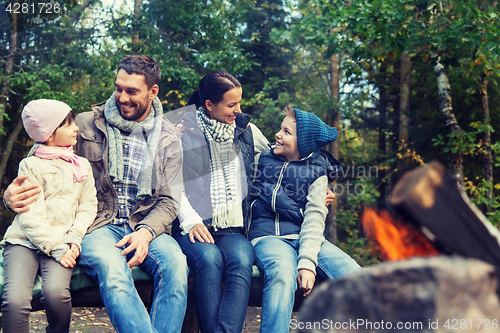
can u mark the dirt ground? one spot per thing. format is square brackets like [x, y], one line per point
[95, 320]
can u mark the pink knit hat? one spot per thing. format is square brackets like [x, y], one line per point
[41, 117]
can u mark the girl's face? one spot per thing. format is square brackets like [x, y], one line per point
[64, 136]
[286, 140]
[226, 110]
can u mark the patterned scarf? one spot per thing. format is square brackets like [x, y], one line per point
[65, 153]
[149, 129]
[222, 166]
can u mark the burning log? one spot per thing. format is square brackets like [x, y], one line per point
[430, 200]
[394, 240]
[437, 294]
[449, 282]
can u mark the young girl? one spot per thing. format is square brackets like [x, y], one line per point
[48, 236]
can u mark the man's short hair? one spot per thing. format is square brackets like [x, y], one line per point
[142, 65]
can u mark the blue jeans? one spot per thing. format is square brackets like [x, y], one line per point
[277, 259]
[228, 261]
[102, 261]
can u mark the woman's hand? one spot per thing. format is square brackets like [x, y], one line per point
[306, 280]
[201, 233]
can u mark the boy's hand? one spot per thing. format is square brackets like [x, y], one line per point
[306, 280]
[330, 196]
[201, 233]
[69, 258]
[18, 196]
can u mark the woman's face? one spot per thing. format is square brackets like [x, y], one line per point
[226, 110]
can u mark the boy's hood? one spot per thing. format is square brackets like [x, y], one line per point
[333, 165]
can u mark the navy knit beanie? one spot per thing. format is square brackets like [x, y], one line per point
[312, 133]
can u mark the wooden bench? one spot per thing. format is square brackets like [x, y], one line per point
[85, 293]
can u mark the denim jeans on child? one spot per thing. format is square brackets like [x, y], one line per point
[165, 262]
[277, 259]
[230, 260]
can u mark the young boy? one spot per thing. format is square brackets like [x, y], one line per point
[47, 238]
[288, 216]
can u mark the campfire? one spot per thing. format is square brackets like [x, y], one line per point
[429, 216]
[395, 240]
[441, 269]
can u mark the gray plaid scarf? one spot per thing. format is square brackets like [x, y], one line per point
[149, 129]
[222, 166]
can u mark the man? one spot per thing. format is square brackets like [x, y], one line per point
[135, 156]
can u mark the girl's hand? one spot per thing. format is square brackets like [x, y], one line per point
[306, 280]
[68, 259]
[75, 249]
[201, 233]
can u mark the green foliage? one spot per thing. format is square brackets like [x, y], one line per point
[282, 53]
[478, 195]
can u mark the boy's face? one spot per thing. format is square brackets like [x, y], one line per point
[286, 140]
[64, 136]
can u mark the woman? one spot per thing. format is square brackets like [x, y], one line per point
[219, 145]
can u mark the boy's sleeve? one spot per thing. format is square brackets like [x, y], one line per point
[312, 229]
[87, 209]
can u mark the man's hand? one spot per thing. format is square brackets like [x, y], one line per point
[18, 197]
[330, 196]
[201, 233]
[306, 280]
[69, 258]
[138, 241]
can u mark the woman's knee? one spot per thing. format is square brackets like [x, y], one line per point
[211, 257]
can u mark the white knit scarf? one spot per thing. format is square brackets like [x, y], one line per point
[222, 166]
[151, 126]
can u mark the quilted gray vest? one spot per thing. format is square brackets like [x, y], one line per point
[196, 165]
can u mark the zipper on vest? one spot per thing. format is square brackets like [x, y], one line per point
[273, 199]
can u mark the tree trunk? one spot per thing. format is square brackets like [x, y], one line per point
[8, 149]
[137, 11]
[487, 160]
[404, 99]
[334, 121]
[9, 66]
[455, 161]
[382, 144]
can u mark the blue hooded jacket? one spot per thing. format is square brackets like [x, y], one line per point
[280, 189]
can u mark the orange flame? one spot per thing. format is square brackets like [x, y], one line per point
[394, 240]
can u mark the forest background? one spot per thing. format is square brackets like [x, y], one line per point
[405, 82]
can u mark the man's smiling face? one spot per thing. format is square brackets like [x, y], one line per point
[133, 96]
